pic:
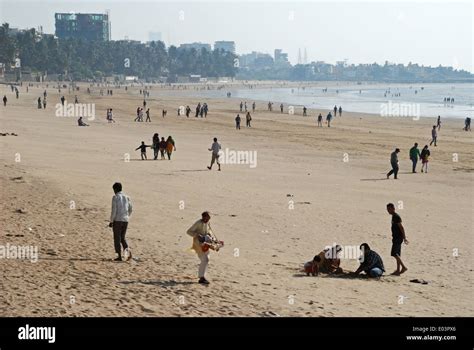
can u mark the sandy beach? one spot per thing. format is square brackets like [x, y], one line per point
[311, 187]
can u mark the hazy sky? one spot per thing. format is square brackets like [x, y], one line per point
[424, 32]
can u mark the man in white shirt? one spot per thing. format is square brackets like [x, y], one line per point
[198, 231]
[121, 211]
[215, 148]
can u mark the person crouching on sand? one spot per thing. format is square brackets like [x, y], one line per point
[199, 231]
[312, 267]
[121, 211]
[371, 263]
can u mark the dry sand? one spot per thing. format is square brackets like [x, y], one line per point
[257, 273]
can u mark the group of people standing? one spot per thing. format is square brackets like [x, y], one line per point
[159, 146]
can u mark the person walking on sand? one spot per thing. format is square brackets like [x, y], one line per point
[340, 111]
[162, 148]
[142, 148]
[215, 148]
[434, 135]
[253, 107]
[304, 111]
[148, 119]
[39, 103]
[241, 106]
[438, 123]
[170, 147]
[237, 122]
[320, 120]
[121, 211]
[335, 111]
[398, 237]
[248, 119]
[44, 102]
[199, 231]
[5, 99]
[394, 163]
[467, 124]
[328, 119]
[425, 155]
[155, 145]
[414, 156]
[281, 108]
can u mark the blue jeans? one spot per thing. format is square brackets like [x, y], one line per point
[414, 161]
[375, 272]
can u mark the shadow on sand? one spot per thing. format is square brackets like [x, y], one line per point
[170, 283]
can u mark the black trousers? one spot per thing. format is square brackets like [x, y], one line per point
[120, 229]
[394, 170]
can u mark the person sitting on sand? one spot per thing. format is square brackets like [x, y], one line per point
[312, 267]
[330, 260]
[142, 147]
[370, 262]
[398, 237]
[81, 123]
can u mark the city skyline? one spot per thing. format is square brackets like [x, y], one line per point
[415, 35]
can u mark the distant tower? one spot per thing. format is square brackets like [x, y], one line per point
[107, 12]
[299, 56]
[305, 57]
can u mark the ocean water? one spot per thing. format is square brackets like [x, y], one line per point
[406, 100]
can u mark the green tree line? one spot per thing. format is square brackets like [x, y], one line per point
[82, 59]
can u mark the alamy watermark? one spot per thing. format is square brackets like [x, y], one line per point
[391, 109]
[10, 251]
[349, 252]
[229, 156]
[85, 110]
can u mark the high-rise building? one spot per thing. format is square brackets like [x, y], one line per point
[154, 36]
[88, 26]
[281, 58]
[228, 46]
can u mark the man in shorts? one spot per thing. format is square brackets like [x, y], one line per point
[398, 237]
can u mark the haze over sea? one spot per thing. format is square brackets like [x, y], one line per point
[364, 98]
